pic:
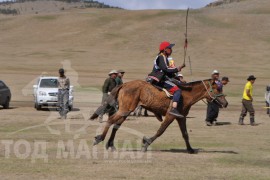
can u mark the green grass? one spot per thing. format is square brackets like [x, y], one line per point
[88, 89]
[110, 36]
[38, 54]
[247, 160]
[73, 51]
[258, 11]
[213, 22]
[103, 20]
[160, 14]
[46, 17]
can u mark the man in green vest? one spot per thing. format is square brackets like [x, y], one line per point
[107, 87]
[119, 78]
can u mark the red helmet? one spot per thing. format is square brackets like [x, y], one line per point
[165, 45]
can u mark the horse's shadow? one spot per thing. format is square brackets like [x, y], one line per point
[196, 151]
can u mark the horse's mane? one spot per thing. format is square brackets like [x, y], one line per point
[188, 86]
[196, 82]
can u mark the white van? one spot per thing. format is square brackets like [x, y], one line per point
[46, 93]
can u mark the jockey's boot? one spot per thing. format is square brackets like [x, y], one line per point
[175, 112]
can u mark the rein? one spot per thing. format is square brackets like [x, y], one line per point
[211, 91]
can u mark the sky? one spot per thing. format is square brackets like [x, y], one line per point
[157, 4]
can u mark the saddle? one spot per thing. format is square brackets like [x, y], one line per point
[154, 83]
[168, 94]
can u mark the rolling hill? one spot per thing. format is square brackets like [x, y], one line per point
[233, 38]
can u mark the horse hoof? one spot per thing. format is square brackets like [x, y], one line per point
[145, 143]
[146, 140]
[97, 140]
[191, 151]
[110, 146]
[144, 148]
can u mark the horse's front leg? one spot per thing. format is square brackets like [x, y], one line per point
[110, 143]
[112, 119]
[147, 141]
[183, 127]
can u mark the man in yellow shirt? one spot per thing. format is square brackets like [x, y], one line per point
[247, 102]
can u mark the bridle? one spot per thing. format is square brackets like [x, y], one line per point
[213, 96]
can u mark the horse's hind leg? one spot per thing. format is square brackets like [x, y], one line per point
[110, 143]
[112, 119]
[183, 127]
[147, 141]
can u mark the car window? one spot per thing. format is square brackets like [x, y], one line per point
[48, 83]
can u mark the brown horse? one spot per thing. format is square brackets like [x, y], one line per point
[130, 94]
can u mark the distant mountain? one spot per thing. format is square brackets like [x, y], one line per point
[38, 6]
[89, 3]
[222, 2]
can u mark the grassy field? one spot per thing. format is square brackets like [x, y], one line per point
[88, 43]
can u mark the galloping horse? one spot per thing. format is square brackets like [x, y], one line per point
[130, 94]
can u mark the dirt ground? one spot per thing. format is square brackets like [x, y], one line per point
[88, 43]
[225, 151]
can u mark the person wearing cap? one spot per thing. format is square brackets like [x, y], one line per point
[119, 78]
[63, 83]
[107, 87]
[247, 102]
[212, 106]
[224, 80]
[162, 72]
[180, 78]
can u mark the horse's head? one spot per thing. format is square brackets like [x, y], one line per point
[213, 94]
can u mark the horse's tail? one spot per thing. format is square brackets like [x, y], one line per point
[115, 91]
[109, 103]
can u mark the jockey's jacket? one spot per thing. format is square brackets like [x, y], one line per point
[161, 64]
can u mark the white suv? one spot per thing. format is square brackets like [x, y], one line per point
[46, 93]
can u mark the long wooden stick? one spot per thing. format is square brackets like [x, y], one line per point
[186, 41]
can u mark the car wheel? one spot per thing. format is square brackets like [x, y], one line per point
[38, 107]
[6, 105]
[70, 108]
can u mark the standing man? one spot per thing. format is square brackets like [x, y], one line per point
[63, 93]
[181, 78]
[247, 102]
[119, 78]
[107, 87]
[267, 99]
[212, 107]
[224, 81]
